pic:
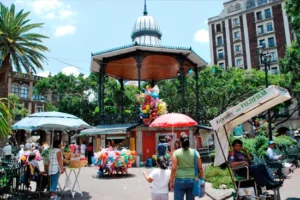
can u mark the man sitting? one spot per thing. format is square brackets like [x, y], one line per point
[273, 156]
[259, 172]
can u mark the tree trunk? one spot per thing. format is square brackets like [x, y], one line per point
[4, 72]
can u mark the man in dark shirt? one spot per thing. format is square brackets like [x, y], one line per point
[259, 172]
[161, 148]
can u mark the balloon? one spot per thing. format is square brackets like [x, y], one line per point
[154, 114]
[154, 109]
[152, 104]
[23, 158]
[117, 153]
[156, 90]
[148, 107]
[148, 98]
[144, 107]
[154, 157]
[145, 111]
[167, 155]
[128, 152]
[133, 153]
[154, 95]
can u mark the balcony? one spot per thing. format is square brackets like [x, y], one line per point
[237, 25]
[237, 39]
[237, 52]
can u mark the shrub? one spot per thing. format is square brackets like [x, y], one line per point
[284, 141]
[249, 144]
[218, 176]
[260, 140]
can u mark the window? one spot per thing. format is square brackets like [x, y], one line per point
[269, 27]
[267, 13]
[39, 109]
[15, 89]
[222, 65]
[271, 42]
[273, 57]
[236, 35]
[24, 92]
[235, 21]
[36, 97]
[218, 27]
[274, 70]
[219, 40]
[220, 53]
[258, 16]
[260, 2]
[237, 48]
[262, 43]
[260, 29]
[239, 62]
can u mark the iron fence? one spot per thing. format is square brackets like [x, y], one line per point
[11, 175]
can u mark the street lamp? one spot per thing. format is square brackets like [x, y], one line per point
[265, 58]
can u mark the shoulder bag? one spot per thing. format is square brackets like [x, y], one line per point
[199, 184]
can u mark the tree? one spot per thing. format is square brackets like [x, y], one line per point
[19, 47]
[16, 108]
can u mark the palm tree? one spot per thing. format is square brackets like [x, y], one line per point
[19, 47]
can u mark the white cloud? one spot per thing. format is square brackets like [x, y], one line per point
[201, 36]
[65, 30]
[50, 16]
[206, 21]
[42, 6]
[43, 73]
[65, 14]
[70, 70]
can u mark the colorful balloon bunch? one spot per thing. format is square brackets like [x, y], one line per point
[110, 161]
[151, 105]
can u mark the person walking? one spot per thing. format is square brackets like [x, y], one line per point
[177, 145]
[83, 149]
[90, 153]
[73, 147]
[159, 178]
[55, 167]
[161, 148]
[183, 171]
[7, 152]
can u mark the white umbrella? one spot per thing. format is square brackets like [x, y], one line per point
[244, 111]
[51, 121]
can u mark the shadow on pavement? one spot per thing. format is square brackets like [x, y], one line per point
[115, 176]
[67, 196]
[293, 198]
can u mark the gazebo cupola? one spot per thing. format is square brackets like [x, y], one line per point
[146, 30]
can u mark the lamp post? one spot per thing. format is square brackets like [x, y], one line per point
[265, 58]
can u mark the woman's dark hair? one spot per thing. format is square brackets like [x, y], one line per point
[176, 142]
[237, 141]
[90, 144]
[31, 157]
[56, 143]
[162, 162]
[185, 142]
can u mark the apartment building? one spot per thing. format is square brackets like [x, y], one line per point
[242, 27]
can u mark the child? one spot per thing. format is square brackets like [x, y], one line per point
[160, 178]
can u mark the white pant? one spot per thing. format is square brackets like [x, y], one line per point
[160, 196]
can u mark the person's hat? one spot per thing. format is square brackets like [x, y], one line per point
[271, 142]
[73, 142]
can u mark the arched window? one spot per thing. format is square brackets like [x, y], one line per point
[15, 89]
[24, 92]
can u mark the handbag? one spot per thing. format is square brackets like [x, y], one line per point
[199, 184]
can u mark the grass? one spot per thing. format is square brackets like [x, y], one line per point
[218, 176]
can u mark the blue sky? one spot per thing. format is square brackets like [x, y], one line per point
[78, 27]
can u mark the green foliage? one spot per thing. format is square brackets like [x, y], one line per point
[284, 141]
[261, 152]
[218, 176]
[249, 144]
[16, 107]
[49, 107]
[260, 140]
[5, 117]
[18, 44]
[292, 8]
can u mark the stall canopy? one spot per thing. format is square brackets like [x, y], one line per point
[244, 111]
[108, 129]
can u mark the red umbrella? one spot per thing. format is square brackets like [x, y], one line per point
[173, 120]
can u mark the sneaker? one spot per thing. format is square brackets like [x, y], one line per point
[271, 186]
[55, 197]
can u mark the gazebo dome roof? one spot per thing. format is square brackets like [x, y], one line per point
[146, 30]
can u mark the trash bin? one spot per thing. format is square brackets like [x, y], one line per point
[149, 162]
[137, 161]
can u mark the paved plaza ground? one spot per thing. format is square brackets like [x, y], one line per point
[135, 187]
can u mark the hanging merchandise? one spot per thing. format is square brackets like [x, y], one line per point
[151, 105]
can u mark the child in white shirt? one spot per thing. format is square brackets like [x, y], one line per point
[160, 178]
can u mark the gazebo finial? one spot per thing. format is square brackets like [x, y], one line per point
[145, 8]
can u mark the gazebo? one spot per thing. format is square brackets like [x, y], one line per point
[145, 60]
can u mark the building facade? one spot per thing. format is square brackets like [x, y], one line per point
[242, 27]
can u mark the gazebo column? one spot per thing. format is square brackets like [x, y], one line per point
[139, 59]
[182, 80]
[197, 94]
[101, 93]
[122, 98]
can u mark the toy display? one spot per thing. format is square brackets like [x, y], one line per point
[109, 161]
[151, 105]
